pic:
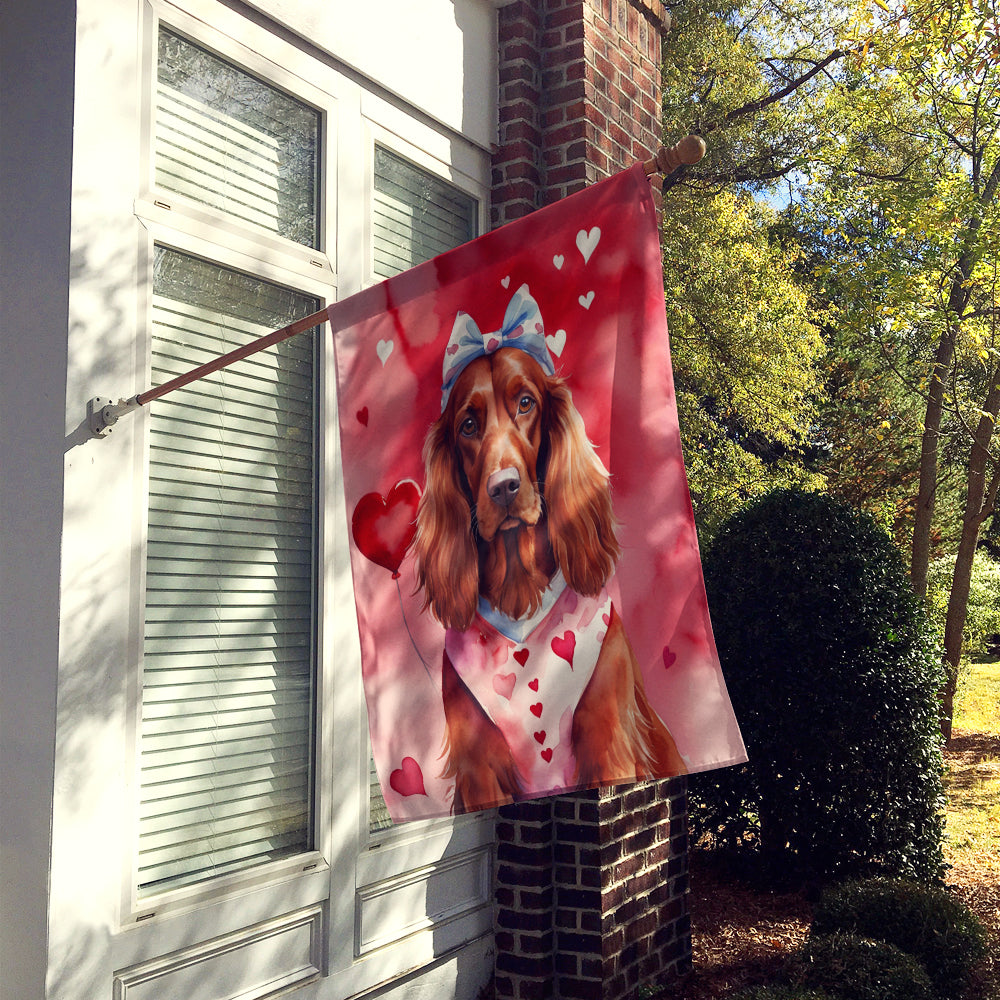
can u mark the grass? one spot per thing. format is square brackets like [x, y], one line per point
[972, 847]
[973, 783]
[978, 697]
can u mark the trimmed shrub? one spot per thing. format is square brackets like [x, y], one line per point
[833, 672]
[856, 968]
[925, 922]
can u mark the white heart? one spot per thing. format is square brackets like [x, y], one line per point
[383, 349]
[586, 242]
[586, 300]
[558, 261]
[505, 281]
[556, 342]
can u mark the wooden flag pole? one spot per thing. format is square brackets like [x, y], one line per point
[687, 152]
[103, 413]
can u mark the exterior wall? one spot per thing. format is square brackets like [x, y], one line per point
[591, 889]
[36, 108]
[74, 285]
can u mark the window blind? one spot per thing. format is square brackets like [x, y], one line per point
[228, 140]
[228, 653]
[416, 216]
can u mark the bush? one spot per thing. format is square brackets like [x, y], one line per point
[833, 672]
[855, 968]
[982, 620]
[925, 922]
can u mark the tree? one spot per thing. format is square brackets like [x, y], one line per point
[878, 122]
[746, 355]
[747, 352]
[914, 186]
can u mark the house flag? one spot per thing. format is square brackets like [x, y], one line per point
[526, 574]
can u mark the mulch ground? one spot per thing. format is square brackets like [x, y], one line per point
[742, 934]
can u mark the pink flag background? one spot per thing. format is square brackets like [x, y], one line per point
[592, 263]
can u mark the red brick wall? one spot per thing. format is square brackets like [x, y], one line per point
[591, 889]
[579, 96]
[591, 893]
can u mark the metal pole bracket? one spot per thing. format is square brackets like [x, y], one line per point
[103, 413]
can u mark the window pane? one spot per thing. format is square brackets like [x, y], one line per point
[228, 140]
[417, 215]
[228, 659]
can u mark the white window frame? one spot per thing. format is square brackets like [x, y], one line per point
[351, 873]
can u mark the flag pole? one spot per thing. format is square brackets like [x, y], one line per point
[103, 413]
[687, 152]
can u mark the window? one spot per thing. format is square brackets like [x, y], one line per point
[227, 140]
[229, 646]
[228, 678]
[252, 803]
[416, 216]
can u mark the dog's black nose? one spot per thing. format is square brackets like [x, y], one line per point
[502, 486]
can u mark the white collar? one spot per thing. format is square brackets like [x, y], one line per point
[518, 629]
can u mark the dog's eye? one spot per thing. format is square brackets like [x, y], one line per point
[468, 427]
[525, 404]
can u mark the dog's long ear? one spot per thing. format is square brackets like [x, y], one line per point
[445, 549]
[581, 521]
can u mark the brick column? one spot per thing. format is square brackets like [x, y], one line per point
[591, 888]
[579, 96]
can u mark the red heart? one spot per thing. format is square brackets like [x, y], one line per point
[503, 684]
[565, 647]
[407, 780]
[521, 655]
[547, 755]
[533, 684]
[363, 416]
[669, 657]
[540, 737]
[384, 527]
[536, 710]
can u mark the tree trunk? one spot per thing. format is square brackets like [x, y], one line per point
[920, 554]
[958, 299]
[980, 499]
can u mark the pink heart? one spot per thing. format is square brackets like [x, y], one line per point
[606, 618]
[536, 710]
[540, 737]
[503, 684]
[363, 416]
[565, 647]
[669, 657]
[547, 755]
[452, 349]
[533, 684]
[521, 655]
[407, 780]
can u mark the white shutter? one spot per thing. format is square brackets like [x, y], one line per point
[415, 216]
[228, 660]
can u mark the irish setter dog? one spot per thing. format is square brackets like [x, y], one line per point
[514, 492]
